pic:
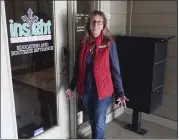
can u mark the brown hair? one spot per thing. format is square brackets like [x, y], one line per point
[106, 33]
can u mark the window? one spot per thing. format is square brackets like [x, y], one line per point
[30, 33]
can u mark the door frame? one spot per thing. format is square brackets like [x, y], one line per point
[7, 97]
[72, 5]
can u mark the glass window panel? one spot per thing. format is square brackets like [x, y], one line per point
[31, 50]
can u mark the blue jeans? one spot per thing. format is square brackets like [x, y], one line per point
[97, 110]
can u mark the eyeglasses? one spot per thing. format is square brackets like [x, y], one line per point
[98, 22]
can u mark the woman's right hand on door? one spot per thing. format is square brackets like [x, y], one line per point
[70, 94]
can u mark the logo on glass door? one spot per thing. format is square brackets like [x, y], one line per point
[30, 30]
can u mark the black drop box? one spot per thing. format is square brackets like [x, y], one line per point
[142, 64]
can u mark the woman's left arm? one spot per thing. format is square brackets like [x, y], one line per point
[115, 70]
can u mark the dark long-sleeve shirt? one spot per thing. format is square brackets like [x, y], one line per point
[90, 85]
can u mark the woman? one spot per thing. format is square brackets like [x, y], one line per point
[97, 73]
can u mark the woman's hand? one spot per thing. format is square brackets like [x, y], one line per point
[70, 94]
[122, 101]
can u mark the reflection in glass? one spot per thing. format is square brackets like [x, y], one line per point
[32, 65]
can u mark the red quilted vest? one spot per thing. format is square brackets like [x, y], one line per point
[101, 67]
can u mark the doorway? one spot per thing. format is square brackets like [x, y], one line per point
[84, 8]
[40, 38]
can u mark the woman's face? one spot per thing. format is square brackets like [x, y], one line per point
[96, 25]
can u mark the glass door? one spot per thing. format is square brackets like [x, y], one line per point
[38, 50]
[84, 8]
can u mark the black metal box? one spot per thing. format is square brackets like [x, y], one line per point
[142, 63]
